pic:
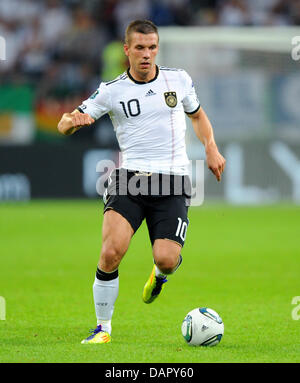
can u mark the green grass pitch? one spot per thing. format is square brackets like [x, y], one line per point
[243, 262]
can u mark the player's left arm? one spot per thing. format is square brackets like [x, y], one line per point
[204, 131]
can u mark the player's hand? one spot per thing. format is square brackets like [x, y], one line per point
[215, 161]
[71, 122]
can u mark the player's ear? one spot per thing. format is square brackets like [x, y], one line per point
[126, 49]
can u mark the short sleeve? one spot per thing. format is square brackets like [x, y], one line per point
[190, 101]
[98, 104]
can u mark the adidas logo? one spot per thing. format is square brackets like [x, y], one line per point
[150, 93]
[204, 328]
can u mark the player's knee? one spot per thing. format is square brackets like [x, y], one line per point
[166, 262]
[110, 257]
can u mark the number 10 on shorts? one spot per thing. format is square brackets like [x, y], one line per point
[181, 229]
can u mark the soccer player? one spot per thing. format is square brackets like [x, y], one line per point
[147, 106]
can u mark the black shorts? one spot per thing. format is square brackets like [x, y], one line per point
[166, 213]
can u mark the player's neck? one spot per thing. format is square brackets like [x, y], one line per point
[143, 77]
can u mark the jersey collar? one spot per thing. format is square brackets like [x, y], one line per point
[143, 82]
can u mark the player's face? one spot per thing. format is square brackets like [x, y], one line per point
[141, 52]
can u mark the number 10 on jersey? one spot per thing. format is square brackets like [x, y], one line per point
[181, 229]
[132, 108]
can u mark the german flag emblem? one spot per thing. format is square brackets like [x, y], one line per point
[171, 99]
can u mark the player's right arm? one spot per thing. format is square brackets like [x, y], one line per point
[71, 122]
[98, 104]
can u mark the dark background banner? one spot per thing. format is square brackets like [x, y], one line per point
[46, 171]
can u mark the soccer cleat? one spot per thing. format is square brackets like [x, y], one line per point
[153, 287]
[98, 336]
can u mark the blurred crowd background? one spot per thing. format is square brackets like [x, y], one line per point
[67, 46]
[58, 51]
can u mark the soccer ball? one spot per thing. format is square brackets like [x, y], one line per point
[202, 327]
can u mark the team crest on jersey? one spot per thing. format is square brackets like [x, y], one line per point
[171, 99]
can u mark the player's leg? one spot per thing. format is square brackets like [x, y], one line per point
[167, 259]
[122, 217]
[116, 235]
[167, 225]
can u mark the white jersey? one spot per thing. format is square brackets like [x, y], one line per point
[148, 118]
